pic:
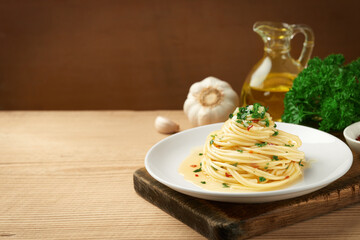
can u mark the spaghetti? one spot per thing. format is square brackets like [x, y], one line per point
[249, 153]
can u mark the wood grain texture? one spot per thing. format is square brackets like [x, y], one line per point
[110, 54]
[231, 221]
[69, 175]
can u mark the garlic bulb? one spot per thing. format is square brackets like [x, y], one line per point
[209, 101]
[165, 125]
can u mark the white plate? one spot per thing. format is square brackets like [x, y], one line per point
[333, 159]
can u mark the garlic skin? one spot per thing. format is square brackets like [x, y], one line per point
[165, 125]
[209, 101]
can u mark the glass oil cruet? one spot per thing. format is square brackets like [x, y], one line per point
[273, 75]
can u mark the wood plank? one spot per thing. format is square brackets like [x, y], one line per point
[217, 220]
[68, 175]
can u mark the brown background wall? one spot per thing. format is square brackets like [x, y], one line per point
[145, 54]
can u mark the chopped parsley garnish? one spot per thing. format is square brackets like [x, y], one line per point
[197, 170]
[276, 158]
[213, 136]
[242, 114]
[239, 150]
[287, 167]
[261, 144]
[231, 115]
[262, 179]
[289, 145]
[200, 154]
[203, 182]
[211, 141]
[225, 185]
[214, 168]
[255, 112]
[262, 114]
[266, 167]
[267, 123]
[276, 133]
[275, 125]
[235, 164]
[301, 163]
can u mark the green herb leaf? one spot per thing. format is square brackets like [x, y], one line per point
[200, 154]
[261, 144]
[262, 179]
[262, 114]
[326, 94]
[225, 185]
[301, 163]
[289, 145]
[203, 182]
[197, 170]
[267, 123]
[276, 133]
[231, 115]
[214, 168]
[239, 150]
[256, 113]
[276, 158]
[235, 164]
[211, 141]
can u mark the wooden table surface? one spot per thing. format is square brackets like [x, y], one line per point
[68, 175]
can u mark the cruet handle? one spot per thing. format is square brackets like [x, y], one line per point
[308, 43]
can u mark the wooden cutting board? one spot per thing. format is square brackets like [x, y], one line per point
[217, 220]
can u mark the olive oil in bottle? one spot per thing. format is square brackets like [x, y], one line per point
[271, 93]
[272, 76]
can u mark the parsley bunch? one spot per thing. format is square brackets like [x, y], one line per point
[326, 94]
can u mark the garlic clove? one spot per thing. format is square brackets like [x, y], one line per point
[165, 125]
